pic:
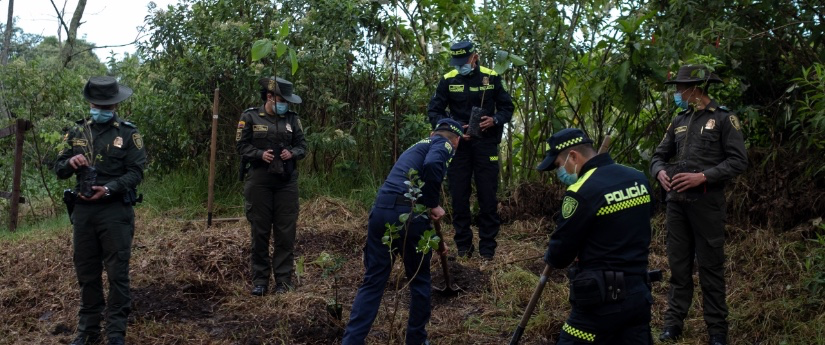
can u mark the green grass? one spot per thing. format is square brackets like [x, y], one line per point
[44, 228]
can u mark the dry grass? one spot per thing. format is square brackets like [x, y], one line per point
[190, 286]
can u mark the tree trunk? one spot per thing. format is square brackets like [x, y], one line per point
[7, 35]
[68, 48]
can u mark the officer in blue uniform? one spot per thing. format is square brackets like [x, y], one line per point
[472, 85]
[605, 223]
[429, 157]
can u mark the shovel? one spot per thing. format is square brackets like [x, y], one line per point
[530, 306]
[449, 289]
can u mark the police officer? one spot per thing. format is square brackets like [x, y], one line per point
[472, 85]
[605, 223]
[702, 149]
[429, 157]
[271, 139]
[103, 218]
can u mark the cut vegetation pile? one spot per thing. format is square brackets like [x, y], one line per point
[190, 285]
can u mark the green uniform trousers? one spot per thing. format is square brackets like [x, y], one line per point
[697, 227]
[272, 210]
[103, 239]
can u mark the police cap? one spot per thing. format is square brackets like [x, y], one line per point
[450, 125]
[461, 52]
[284, 86]
[560, 141]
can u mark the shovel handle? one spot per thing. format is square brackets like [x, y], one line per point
[531, 306]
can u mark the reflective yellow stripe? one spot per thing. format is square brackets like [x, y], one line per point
[450, 74]
[494, 158]
[575, 187]
[568, 143]
[486, 70]
[640, 200]
[588, 337]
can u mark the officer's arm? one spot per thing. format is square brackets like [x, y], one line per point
[299, 143]
[436, 109]
[571, 231]
[135, 162]
[243, 140]
[62, 168]
[435, 167]
[504, 103]
[665, 151]
[736, 156]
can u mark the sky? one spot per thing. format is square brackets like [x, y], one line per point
[104, 22]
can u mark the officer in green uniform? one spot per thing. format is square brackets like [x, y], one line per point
[103, 218]
[271, 139]
[702, 149]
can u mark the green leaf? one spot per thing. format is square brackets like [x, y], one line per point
[294, 58]
[280, 49]
[517, 60]
[403, 217]
[284, 30]
[261, 48]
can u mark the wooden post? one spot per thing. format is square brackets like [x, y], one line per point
[213, 151]
[19, 135]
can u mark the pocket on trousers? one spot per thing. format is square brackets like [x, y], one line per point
[587, 289]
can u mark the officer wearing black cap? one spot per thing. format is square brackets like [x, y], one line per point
[103, 219]
[605, 223]
[429, 157]
[271, 139]
[471, 85]
[703, 148]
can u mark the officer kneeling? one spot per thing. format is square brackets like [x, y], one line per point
[605, 222]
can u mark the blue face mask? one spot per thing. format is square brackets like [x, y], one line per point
[564, 176]
[681, 103]
[466, 69]
[281, 108]
[101, 116]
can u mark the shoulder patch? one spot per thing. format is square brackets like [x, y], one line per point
[569, 206]
[735, 122]
[451, 74]
[487, 71]
[138, 140]
[448, 146]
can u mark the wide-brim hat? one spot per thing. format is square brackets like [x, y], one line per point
[461, 52]
[284, 88]
[560, 141]
[105, 91]
[691, 74]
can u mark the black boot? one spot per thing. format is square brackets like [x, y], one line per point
[259, 290]
[86, 339]
[718, 339]
[670, 333]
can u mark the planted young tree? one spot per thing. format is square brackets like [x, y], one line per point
[331, 264]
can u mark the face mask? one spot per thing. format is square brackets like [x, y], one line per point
[681, 103]
[564, 176]
[281, 108]
[101, 116]
[466, 69]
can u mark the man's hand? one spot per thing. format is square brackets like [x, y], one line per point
[464, 129]
[100, 192]
[684, 181]
[78, 161]
[487, 122]
[286, 155]
[268, 156]
[436, 213]
[664, 180]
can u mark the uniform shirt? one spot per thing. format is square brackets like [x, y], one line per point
[708, 141]
[114, 148]
[258, 131]
[461, 93]
[429, 157]
[605, 220]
